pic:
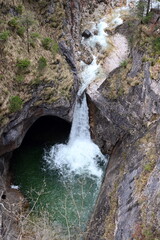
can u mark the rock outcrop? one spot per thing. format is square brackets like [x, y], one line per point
[125, 111]
[125, 123]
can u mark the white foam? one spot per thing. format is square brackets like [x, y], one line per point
[99, 38]
[77, 158]
[14, 187]
[89, 73]
[80, 155]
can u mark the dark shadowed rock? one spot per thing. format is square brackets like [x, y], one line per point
[86, 34]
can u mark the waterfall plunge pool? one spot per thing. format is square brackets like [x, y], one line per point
[60, 192]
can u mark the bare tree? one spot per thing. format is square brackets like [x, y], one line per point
[27, 20]
[148, 6]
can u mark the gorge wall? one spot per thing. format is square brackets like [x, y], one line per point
[125, 123]
[124, 111]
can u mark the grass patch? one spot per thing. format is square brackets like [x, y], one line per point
[47, 43]
[55, 48]
[147, 19]
[20, 31]
[19, 9]
[13, 23]
[36, 81]
[19, 78]
[15, 103]
[1, 76]
[42, 63]
[4, 36]
[23, 64]
[149, 166]
[156, 45]
[50, 44]
[35, 35]
[124, 63]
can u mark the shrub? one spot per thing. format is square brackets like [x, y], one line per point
[124, 63]
[42, 63]
[36, 81]
[47, 43]
[15, 103]
[32, 43]
[4, 36]
[19, 78]
[34, 35]
[156, 45]
[33, 38]
[55, 48]
[23, 64]
[20, 31]
[50, 44]
[147, 18]
[13, 22]
[19, 9]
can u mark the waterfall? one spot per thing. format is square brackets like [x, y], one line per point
[80, 156]
[80, 124]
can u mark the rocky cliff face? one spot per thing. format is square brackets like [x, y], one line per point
[36, 79]
[126, 125]
[124, 110]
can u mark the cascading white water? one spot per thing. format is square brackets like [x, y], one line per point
[80, 124]
[80, 155]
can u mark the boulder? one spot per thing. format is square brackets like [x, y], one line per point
[86, 34]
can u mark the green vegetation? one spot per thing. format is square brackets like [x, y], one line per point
[19, 9]
[4, 36]
[146, 19]
[42, 63]
[20, 31]
[14, 22]
[16, 25]
[50, 44]
[124, 63]
[141, 5]
[149, 166]
[47, 43]
[156, 45]
[23, 64]
[36, 81]
[19, 78]
[1, 76]
[34, 35]
[15, 103]
[55, 48]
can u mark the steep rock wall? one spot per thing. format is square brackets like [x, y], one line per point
[125, 123]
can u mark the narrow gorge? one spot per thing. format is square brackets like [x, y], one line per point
[79, 120]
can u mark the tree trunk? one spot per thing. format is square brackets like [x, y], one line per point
[148, 6]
